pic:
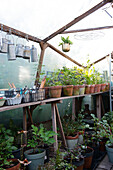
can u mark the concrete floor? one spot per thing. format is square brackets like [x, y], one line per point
[105, 164]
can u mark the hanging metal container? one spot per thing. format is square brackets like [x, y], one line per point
[11, 52]
[4, 47]
[19, 50]
[27, 52]
[34, 57]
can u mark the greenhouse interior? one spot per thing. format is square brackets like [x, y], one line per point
[56, 85]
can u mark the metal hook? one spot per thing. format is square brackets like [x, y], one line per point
[26, 37]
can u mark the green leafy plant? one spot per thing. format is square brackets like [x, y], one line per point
[6, 146]
[59, 162]
[40, 136]
[65, 40]
[53, 79]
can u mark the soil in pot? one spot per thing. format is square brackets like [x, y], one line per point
[15, 165]
[68, 90]
[88, 155]
[55, 91]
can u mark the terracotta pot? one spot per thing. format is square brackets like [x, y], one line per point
[102, 144]
[103, 87]
[16, 167]
[87, 89]
[88, 158]
[72, 141]
[76, 90]
[97, 88]
[107, 86]
[68, 90]
[79, 164]
[92, 88]
[55, 91]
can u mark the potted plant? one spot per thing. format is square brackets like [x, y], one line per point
[75, 157]
[65, 44]
[6, 147]
[66, 78]
[54, 84]
[39, 137]
[70, 132]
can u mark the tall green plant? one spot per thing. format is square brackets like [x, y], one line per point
[6, 146]
[40, 136]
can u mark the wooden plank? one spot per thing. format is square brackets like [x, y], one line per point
[79, 18]
[60, 126]
[98, 106]
[4, 108]
[54, 125]
[73, 109]
[88, 29]
[25, 124]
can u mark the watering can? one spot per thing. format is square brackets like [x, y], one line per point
[34, 57]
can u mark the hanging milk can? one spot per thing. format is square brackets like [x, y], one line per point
[11, 52]
[19, 50]
[27, 52]
[34, 57]
[5, 43]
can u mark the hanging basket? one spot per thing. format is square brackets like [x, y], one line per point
[65, 47]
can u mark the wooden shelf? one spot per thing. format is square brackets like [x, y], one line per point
[50, 100]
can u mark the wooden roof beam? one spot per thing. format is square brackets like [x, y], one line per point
[101, 4]
[18, 33]
[87, 29]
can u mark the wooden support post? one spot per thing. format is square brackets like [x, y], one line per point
[43, 47]
[25, 124]
[54, 125]
[29, 114]
[103, 110]
[73, 109]
[98, 106]
[60, 126]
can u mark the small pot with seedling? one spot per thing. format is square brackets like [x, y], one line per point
[65, 44]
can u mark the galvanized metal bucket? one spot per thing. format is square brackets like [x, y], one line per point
[34, 57]
[11, 52]
[27, 52]
[4, 47]
[19, 50]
